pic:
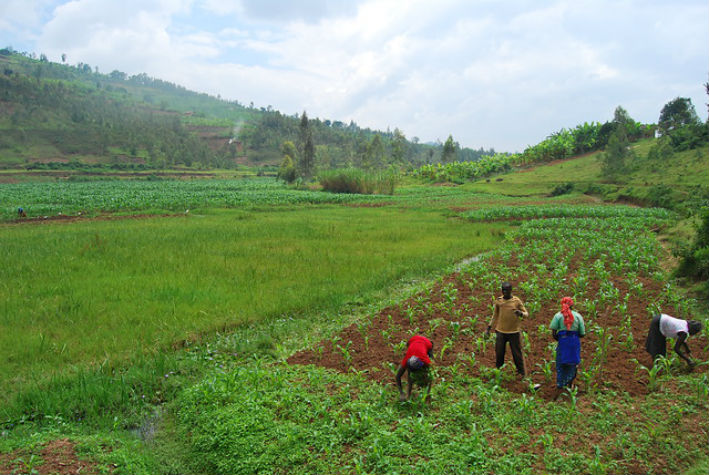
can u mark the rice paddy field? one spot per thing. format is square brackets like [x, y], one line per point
[240, 326]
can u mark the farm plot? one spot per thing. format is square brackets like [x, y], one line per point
[610, 267]
[607, 265]
[40, 200]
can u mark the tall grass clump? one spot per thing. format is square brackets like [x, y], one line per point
[353, 180]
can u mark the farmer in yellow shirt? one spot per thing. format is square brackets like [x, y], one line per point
[507, 323]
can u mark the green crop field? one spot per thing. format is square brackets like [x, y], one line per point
[160, 344]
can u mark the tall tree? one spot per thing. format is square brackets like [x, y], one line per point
[621, 116]
[398, 148]
[287, 171]
[375, 154]
[450, 150]
[614, 160]
[675, 114]
[306, 146]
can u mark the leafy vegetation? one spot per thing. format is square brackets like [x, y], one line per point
[159, 344]
[91, 290]
[319, 420]
[72, 198]
[61, 113]
[354, 180]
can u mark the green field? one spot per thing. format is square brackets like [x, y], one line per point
[84, 292]
[157, 344]
[685, 174]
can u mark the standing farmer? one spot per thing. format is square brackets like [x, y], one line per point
[664, 326]
[508, 327]
[567, 327]
[417, 360]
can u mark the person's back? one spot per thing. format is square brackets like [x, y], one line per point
[671, 326]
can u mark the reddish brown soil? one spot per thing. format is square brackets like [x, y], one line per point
[618, 372]
[57, 457]
[71, 219]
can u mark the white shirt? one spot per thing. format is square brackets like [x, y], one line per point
[670, 326]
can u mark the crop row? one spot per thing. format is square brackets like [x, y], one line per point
[39, 199]
[564, 211]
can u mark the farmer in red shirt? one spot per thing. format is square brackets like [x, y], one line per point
[417, 360]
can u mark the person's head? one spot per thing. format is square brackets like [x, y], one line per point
[694, 327]
[506, 290]
[415, 363]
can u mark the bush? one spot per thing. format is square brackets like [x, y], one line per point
[694, 261]
[563, 189]
[354, 180]
[662, 196]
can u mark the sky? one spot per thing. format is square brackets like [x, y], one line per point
[493, 74]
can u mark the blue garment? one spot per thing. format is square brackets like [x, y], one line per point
[565, 374]
[568, 351]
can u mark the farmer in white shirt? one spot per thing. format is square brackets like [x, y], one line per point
[664, 326]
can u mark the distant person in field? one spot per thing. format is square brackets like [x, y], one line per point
[664, 326]
[507, 323]
[21, 213]
[417, 361]
[567, 328]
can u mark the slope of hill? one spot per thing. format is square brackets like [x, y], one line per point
[56, 113]
[679, 179]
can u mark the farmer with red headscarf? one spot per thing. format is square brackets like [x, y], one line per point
[567, 327]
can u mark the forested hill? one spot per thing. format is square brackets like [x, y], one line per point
[58, 115]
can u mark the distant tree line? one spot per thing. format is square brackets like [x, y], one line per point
[338, 145]
[335, 144]
[679, 129]
[81, 120]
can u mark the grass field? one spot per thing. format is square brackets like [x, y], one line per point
[84, 292]
[160, 344]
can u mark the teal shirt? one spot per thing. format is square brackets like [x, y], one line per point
[557, 323]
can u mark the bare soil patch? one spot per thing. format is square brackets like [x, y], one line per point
[64, 218]
[57, 457]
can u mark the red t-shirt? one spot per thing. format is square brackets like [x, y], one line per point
[418, 346]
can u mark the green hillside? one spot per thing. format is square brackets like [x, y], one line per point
[680, 178]
[62, 116]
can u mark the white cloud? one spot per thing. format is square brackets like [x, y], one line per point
[502, 74]
[19, 20]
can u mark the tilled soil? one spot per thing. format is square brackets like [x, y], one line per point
[57, 457]
[379, 357]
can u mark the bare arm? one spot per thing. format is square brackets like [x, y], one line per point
[682, 349]
[399, 374]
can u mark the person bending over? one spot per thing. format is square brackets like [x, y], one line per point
[417, 361]
[664, 326]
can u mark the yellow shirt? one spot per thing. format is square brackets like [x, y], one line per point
[504, 319]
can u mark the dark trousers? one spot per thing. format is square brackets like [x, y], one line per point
[515, 341]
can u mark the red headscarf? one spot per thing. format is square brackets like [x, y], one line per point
[566, 304]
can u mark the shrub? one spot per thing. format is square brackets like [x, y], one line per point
[695, 259]
[563, 189]
[354, 180]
